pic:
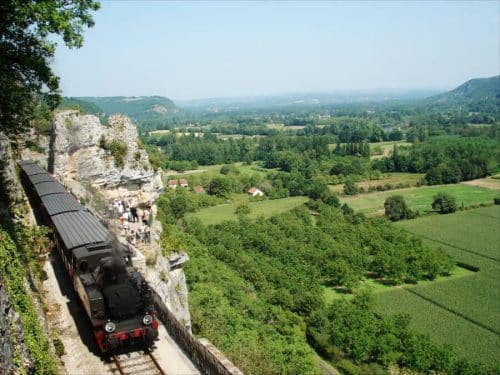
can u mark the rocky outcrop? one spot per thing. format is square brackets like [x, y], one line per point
[82, 151]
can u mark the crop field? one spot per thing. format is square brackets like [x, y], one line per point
[385, 147]
[468, 339]
[464, 312]
[390, 178]
[420, 198]
[376, 287]
[214, 170]
[265, 208]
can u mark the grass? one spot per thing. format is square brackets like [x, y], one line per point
[467, 338]
[421, 198]
[464, 312]
[331, 294]
[265, 208]
[390, 178]
[386, 148]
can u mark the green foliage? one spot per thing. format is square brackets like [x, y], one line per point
[35, 146]
[138, 108]
[445, 159]
[397, 209]
[473, 297]
[283, 263]
[12, 271]
[221, 186]
[26, 76]
[421, 198]
[85, 108]
[243, 209]
[444, 203]
[350, 187]
[117, 149]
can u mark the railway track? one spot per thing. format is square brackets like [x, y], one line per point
[136, 363]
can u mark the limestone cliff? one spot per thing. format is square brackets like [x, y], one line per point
[81, 152]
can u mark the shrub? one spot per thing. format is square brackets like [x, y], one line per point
[496, 200]
[397, 209]
[350, 188]
[242, 209]
[444, 203]
[119, 151]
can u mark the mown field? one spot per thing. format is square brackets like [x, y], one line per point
[420, 198]
[265, 208]
[214, 170]
[464, 312]
[385, 147]
[390, 178]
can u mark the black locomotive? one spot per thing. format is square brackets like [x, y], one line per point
[114, 295]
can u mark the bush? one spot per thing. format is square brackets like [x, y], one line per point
[350, 188]
[444, 203]
[496, 200]
[397, 209]
[242, 209]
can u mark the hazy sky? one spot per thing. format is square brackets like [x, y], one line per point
[186, 50]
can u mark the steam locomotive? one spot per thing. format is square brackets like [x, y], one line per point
[116, 298]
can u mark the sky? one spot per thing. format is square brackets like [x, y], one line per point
[188, 50]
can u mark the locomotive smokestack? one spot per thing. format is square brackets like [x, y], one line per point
[112, 270]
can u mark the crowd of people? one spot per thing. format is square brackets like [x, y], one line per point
[127, 212]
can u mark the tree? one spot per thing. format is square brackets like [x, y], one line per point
[220, 186]
[396, 208]
[444, 203]
[350, 187]
[29, 86]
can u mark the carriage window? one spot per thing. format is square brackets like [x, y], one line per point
[83, 267]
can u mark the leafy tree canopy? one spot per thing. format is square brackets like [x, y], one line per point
[26, 77]
[397, 209]
[444, 203]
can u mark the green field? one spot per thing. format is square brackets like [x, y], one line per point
[464, 312]
[390, 178]
[214, 170]
[386, 147]
[265, 208]
[421, 198]
[374, 286]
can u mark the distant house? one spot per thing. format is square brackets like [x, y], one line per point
[198, 189]
[180, 182]
[255, 192]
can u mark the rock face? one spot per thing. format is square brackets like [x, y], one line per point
[81, 152]
[11, 337]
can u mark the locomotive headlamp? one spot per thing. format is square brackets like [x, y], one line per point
[147, 320]
[110, 327]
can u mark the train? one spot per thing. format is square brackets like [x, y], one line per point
[116, 298]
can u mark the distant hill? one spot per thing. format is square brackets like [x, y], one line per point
[138, 108]
[84, 106]
[474, 90]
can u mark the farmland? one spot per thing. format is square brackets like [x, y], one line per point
[421, 198]
[381, 149]
[265, 208]
[464, 312]
[388, 179]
